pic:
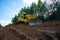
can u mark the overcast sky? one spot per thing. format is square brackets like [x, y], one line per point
[10, 8]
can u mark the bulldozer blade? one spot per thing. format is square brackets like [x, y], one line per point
[34, 22]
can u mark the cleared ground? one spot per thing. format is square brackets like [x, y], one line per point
[44, 31]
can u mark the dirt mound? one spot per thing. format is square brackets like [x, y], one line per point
[45, 31]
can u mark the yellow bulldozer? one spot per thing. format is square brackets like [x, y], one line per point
[24, 17]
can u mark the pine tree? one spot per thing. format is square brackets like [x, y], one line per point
[39, 5]
[15, 19]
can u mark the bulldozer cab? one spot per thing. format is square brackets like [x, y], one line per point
[22, 17]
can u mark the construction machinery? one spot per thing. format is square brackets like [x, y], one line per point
[24, 17]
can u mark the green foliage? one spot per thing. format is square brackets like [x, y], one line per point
[33, 8]
[0, 25]
[25, 9]
[39, 5]
[53, 16]
[41, 18]
[58, 10]
[41, 9]
[56, 14]
[15, 19]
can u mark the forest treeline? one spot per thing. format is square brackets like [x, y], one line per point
[45, 12]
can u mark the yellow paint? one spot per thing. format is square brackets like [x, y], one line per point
[27, 18]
